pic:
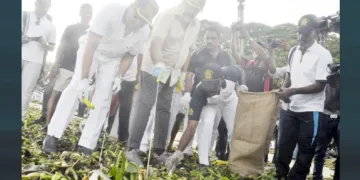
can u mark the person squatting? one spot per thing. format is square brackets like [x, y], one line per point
[159, 80]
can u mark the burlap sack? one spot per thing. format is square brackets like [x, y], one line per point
[254, 125]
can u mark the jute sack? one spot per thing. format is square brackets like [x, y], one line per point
[254, 124]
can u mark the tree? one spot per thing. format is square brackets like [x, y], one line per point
[262, 32]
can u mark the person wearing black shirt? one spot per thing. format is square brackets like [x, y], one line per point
[217, 85]
[64, 66]
[211, 53]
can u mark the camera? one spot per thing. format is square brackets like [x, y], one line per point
[334, 78]
[330, 23]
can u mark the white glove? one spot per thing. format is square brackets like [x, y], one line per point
[82, 89]
[185, 100]
[117, 85]
[174, 160]
[158, 70]
[242, 88]
[213, 99]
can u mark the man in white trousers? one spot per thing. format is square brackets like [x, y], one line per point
[174, 33]
[38, 36]
[216, 88]
[116, 35]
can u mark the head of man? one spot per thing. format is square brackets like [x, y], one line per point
[212, 37]
[307, 30]
[211, 79]
[42, 7]
[140, 13]
[192, 8]
[86, 12]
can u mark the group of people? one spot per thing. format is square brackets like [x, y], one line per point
[151, 75]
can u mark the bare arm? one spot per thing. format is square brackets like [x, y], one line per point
[233, 47]
[188, 81]
[187, 135]
[125, 64]
[287, 81]
[271, 62]
[91, 45]
[311, 89]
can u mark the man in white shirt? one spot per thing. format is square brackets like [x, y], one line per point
[174, 32]
[305, 92]
[38, 36]
[115, 37]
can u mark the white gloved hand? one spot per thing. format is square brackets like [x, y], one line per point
[174, 160]
[185, 100]
[213, 99]
[158, 70]
[242, 88]
[82, 89]
[117, 85]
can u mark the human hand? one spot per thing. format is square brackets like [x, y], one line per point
[82, 89]
[117, 85]
[284, 45]
[284, 94]
[158, 70]
[174, 160]
[25, 39]
[43, 43]
[181, 80]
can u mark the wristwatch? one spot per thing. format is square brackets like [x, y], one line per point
[293, 92]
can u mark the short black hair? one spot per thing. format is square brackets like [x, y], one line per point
[213, 28]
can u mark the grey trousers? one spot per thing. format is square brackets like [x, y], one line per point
[145, 102]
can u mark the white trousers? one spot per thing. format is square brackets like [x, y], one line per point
[29, 75]
[175, 109]
[209, 122]
[101, 99]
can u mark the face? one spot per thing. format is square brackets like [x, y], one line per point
[211, 39]
[306, 38]
[86, 13]
[134, 20]
[42, 7]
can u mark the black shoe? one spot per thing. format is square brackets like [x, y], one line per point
[42, 119]
[85, 151]
[49, 144]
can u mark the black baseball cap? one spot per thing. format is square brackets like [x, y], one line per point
[308, 23]
[211, 71]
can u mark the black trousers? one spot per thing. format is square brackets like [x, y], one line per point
[46, 96]
[81, 109]
[125, 103]
[222, 148]
[337, 164]
[300, 128]
[125, 96]
[328, 130]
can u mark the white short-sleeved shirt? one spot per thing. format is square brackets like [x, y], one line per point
[32, 51]
[312, 68]
[108, 23]
[177, 44]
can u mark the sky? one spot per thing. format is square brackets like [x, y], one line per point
[270, 12]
